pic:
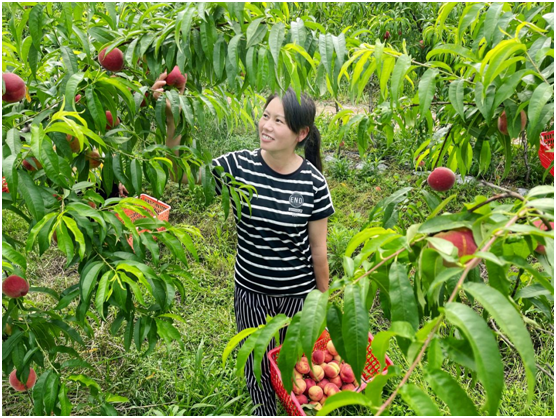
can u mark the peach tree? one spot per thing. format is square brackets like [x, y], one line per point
[88, 121]
[444, 280]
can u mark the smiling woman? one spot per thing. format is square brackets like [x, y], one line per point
[281, 252]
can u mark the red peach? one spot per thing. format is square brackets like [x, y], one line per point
[441, 179]
[73, 143]
[113, 61]
[338, 358]
[309, 383]
[318, 357]
[327, 356]
[348, 386]
[299, 386]
[323, 383]
[93, 157]
[77, 98]
[336, 380]
[15, 286]
[331, 370]
[331, 349]
[331, 389]
[20, 387]
[315, 393]
[30, 167]
[346, 373]
[317, 405]
[15, 88]
[302, 366]
[302, 399]
[175, 78]
[317, 373]
[110, 121]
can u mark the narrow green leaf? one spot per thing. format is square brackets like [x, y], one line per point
[263, 341]
[451, 393]
[334, 325]
[427, 86]
[455, 93]
[341, 399]
[403, 64]
[490, 369]
[290, 352]
[511, 323]
[402, 299]
[418, 400]
[313, 317]
[355, 323]
[275, 40]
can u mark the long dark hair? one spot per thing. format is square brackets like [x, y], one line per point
[298, 116]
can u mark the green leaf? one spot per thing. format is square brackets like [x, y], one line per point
[418, 400]
[334, 323]
[234, 342]
[341, 399]
[403, 64]
[455, 93]
[511, 324]
[402, 299]
[355, 323]
[35, 27]
[263, 340]
[290, 352]
[14, 256]
[542, 94]
[85, 380]
[427, 86]
[102, 292]
[245, 351]
[451, 393]
[275, 40]
[31, 194]
[490, 369]
[313, 317]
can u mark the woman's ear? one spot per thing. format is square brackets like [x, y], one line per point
[303, 134]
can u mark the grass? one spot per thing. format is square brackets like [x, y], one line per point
[191, 380]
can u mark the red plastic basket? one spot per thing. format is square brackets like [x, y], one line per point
[546, 150]
[161, 211]
[294, 409]
[5, 186]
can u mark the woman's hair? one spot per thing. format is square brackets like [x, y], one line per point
[298, 116]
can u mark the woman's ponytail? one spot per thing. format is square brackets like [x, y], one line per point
[312, 148]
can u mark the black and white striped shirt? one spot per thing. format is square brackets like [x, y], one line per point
[273, 253]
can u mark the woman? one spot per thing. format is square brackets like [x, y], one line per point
[281, 252]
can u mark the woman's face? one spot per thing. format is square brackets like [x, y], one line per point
[274, 133]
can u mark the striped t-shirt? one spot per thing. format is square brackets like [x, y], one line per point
[273, 253]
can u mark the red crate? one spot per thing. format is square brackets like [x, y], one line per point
[294, 409]
[546, 150]
[161, 211]
[5, 186]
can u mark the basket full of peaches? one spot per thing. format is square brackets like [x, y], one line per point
[327, 375]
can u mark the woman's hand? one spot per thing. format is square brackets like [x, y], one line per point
[122, 191]
[157, 89]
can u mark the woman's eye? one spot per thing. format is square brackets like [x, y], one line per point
[278, 121]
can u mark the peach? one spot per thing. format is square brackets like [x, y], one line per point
[323, 383]
[317, 405]
[503, 122]
[318, 357]
[331, 370]
[15, 286]
[113, 61]
[30, 167]
[540, 224]
[315, 393]
[317, 373]
[302, 399]
[297, 375]
[462, 238]
[110, 121]
[348, 386]
[93, 157]
[20, 387]
[176, 78]
[15, 88]
[441, 179]
[302, 366]
[309, 383]
[336, 380]
[73, 143]
[331, 389]
[346, 373]
[331, 349]
[327, 356]
[338, 358]
[299, 386]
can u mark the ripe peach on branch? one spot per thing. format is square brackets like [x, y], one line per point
[113, 61]
[15, 88]
[22, 387]
[441, 179]
[15, 286]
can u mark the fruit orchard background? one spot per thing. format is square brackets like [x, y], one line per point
[411, 83]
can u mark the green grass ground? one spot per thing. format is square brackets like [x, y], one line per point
[192, 381]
